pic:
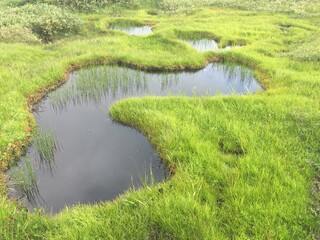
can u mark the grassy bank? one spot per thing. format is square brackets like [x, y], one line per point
[245, 166]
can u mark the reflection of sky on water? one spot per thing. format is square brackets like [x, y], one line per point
[207, 45]
[204, 45]
[110, 83]
[144, 30]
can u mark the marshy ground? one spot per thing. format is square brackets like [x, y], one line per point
[81, 156]
[245, 166]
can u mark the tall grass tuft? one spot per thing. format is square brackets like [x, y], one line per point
[46, 145]
[24, 179]
[96, 83]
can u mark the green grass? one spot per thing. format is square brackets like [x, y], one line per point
[40, 22]
[24, 179]
[245, 167]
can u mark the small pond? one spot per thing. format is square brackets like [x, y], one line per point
[92, 158]
[136, 31]
[206, 45]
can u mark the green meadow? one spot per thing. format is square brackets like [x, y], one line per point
[243, 167]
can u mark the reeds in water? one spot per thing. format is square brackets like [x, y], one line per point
[24, 179]
[46, 145]
[96, 83]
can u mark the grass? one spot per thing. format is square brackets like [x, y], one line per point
[46, 145]
[24, 179]
[112, 82]
[95, 83]
[245, 166]
[40, 22]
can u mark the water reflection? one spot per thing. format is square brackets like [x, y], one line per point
[136, 31]
[23, 183]
[204, 45]
[110, 83]
[207, 45]
[95, 158]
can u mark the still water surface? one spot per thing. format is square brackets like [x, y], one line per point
[99, 159]
[137, 31]
[204, 45]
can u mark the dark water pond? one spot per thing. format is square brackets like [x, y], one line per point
[94, 158]
[144, 30]
[206, 45]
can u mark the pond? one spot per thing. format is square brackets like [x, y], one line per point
[136, 31]
[81, 156]
[206, 45]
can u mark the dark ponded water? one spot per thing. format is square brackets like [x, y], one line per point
[137, 31]
[96, 159]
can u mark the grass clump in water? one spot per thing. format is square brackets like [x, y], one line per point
[96, 83]
[24, 179]
[46, 145]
